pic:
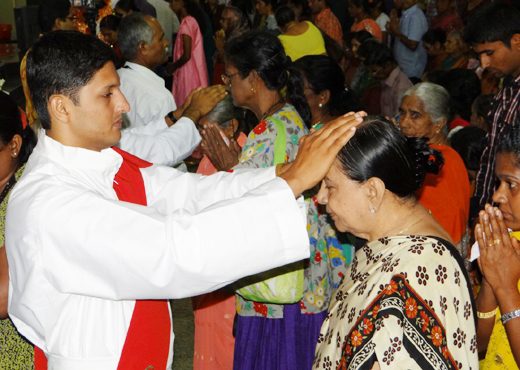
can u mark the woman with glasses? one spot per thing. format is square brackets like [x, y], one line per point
[274, 336]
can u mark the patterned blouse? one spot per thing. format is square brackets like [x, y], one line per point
[407, 304]
[15, 352]
[329, 258]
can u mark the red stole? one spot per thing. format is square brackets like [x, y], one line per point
[147, 343]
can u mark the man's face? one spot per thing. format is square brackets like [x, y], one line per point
[157, 49]
[68, 23]
[407, 4]
[498, 58]
[96, 121]
[228, 21]
[316, 6]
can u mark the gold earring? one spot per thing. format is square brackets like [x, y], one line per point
[253, 90]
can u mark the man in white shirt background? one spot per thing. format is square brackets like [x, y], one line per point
[143, 44]
[96, 239]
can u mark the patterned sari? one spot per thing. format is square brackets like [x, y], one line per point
[406, 303]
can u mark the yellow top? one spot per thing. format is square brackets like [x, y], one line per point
[308, 43]
[499, 354]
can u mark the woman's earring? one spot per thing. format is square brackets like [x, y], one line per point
[15, 154]
[372, 210]
[320, 105]
[253, 90]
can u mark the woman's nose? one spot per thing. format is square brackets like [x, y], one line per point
[323, 194]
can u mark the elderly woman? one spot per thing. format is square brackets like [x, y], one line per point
[17, 141]
[317, 80]
[405, 302]
[424, 112]
[456, 51]
[271, 335]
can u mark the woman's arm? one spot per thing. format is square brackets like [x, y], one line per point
[186, 55]
[485, 302]
[500, 264]
[4, 283]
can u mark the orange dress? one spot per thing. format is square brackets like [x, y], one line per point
[214, 313]
[447, 194]
[370, 26]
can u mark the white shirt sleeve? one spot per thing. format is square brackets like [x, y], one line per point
[161, 146]
[118, 250]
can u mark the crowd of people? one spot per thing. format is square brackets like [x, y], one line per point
[335, 187]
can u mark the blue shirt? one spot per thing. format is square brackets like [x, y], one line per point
[413, 25]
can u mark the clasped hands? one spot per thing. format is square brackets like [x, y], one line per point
[499, 259]
[316, 154]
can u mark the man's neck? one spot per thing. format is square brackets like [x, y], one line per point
[142, 63]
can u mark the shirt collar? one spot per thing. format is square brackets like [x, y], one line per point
[145, 72]
[391, 78]
[410, 10]
[323, 13]
[103, 165]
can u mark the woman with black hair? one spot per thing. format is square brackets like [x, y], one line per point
[317, 81]
[298, 38]
[108, 29]
[360, 11]
[17, 141]
[189, 61]
[405, 302]
[271, 333]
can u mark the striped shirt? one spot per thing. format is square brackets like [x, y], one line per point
[506, 112]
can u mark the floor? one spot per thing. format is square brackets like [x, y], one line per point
[183, 328]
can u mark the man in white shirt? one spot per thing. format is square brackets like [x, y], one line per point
[143, 44]
[96, 239]
[168, 20]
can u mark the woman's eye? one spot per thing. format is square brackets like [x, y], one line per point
[415, 116]
[107, 95]
[512, 184]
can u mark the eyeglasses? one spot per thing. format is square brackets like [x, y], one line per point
[376, 71]
[227, 78]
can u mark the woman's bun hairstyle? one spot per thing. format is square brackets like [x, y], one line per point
[379, 149]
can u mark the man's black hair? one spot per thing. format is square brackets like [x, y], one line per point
[375, 53]
[434, 35]
[49, 11]
[492, 22]
[62, 62]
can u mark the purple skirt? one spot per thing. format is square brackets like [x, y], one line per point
[277, 344]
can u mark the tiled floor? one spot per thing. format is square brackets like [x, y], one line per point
[183, 328]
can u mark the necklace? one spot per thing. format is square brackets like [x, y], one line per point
[415, 223]
[268, 111]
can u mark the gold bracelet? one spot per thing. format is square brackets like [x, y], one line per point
[278, 171]
[486, 315]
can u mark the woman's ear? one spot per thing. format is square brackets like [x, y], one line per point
[14, 145]
[440, 125]
[324, 97]
[375, 191]
[254, 80]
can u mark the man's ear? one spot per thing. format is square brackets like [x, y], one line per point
[59, 107]
[142, 48]
[515, 42]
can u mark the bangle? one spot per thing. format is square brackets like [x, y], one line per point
[486, 315]
[278, 169]
[509, 316]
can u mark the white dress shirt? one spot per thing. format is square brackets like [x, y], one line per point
[145, 92]
[168, 20]
[158, 144]
[79, 257]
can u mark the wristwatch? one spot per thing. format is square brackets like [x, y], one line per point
[171, 117]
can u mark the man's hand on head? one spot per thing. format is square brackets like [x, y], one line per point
[318, 151]
[203, 101]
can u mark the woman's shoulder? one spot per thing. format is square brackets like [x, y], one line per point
[451, 157]
[289, 116]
